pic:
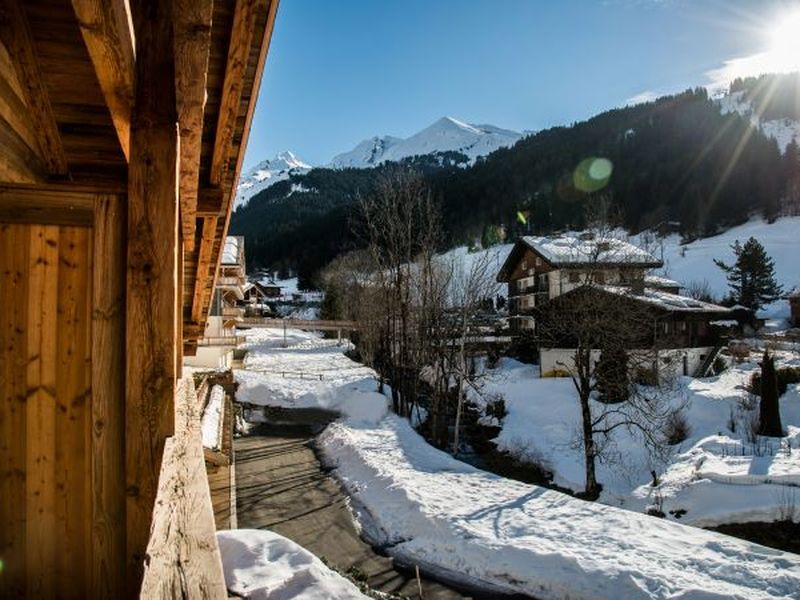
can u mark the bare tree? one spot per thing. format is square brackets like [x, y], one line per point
[593, 322]
[402, 227]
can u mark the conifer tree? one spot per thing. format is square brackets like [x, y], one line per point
[751, 278]
[769, 422]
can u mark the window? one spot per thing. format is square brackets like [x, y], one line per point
[600, 277]
[538, 262]
[574, 277]
[524, 264]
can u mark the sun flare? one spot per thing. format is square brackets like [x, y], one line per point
[784, 51]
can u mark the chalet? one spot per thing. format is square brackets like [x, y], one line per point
[676, 335]
[215, 347]
[123, 127]
[257, 297]
[539, 269]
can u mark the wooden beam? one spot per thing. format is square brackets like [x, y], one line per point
[192, 47]
[107, 32]
[210, 202]
[244, 23]
[15, 34]
[45, 207]
[152, 290]
[204, 257]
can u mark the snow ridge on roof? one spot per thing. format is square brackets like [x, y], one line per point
[665, 300]
[568, 250]
[659, 281]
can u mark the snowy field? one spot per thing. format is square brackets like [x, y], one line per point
[715, 476]
[429, 509]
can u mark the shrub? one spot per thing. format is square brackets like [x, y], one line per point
[676, 428]
[496, 407]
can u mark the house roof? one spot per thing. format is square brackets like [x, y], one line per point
[669, 302]
[575, 251]
[658, 281]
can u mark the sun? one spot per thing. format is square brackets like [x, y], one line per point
[784, 51]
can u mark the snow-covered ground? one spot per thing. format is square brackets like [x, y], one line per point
[715, 476]
[446, 516]
[263, 565]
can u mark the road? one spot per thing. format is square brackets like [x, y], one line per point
[282, 486]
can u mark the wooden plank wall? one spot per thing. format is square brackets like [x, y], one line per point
[61, 443]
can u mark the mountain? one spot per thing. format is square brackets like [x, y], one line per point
[447, 135]
[769, 102]
[681, 163]
[267, 173]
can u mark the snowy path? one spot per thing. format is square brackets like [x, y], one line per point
[283, 488]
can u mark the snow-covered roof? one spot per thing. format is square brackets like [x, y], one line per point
[231, 249]
[658, 281]
[667, 301]
[573, 250]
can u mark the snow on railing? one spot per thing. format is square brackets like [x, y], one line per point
[211, 423]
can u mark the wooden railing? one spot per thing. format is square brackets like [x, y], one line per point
[184, 557]
[313, 325]
[223, 340]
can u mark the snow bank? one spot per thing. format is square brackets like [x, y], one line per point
[211, 423]
[430, 509]
[260, 564]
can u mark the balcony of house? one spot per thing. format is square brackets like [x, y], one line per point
[222, 340]
[236, 312]
[231, 281]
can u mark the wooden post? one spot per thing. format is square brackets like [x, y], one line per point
[152, 292]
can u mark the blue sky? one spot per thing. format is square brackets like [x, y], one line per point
[340, 71]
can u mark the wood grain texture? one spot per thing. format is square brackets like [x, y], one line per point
[14, 278]
[203, 275]
[192, 47]
[40, 421]
[16, 36]
[107, 31]
[185, 560]
[108, 402]
[152, 278]
[244, 23]
[73, 408]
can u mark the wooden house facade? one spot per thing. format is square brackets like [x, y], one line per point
[122, 131]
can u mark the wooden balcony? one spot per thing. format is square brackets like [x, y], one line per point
[224, 340]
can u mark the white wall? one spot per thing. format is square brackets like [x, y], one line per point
[211, 357]
[670, 362]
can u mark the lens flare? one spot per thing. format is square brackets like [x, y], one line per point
[593, 174]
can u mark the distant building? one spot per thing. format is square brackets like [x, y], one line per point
[215, 348]
[539, 269]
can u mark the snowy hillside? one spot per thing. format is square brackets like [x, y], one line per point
[782, 131]
[445, 135]
[266, 173]
[694, 262]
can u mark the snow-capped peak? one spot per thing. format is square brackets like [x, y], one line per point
[445, 135]
[268, 172]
